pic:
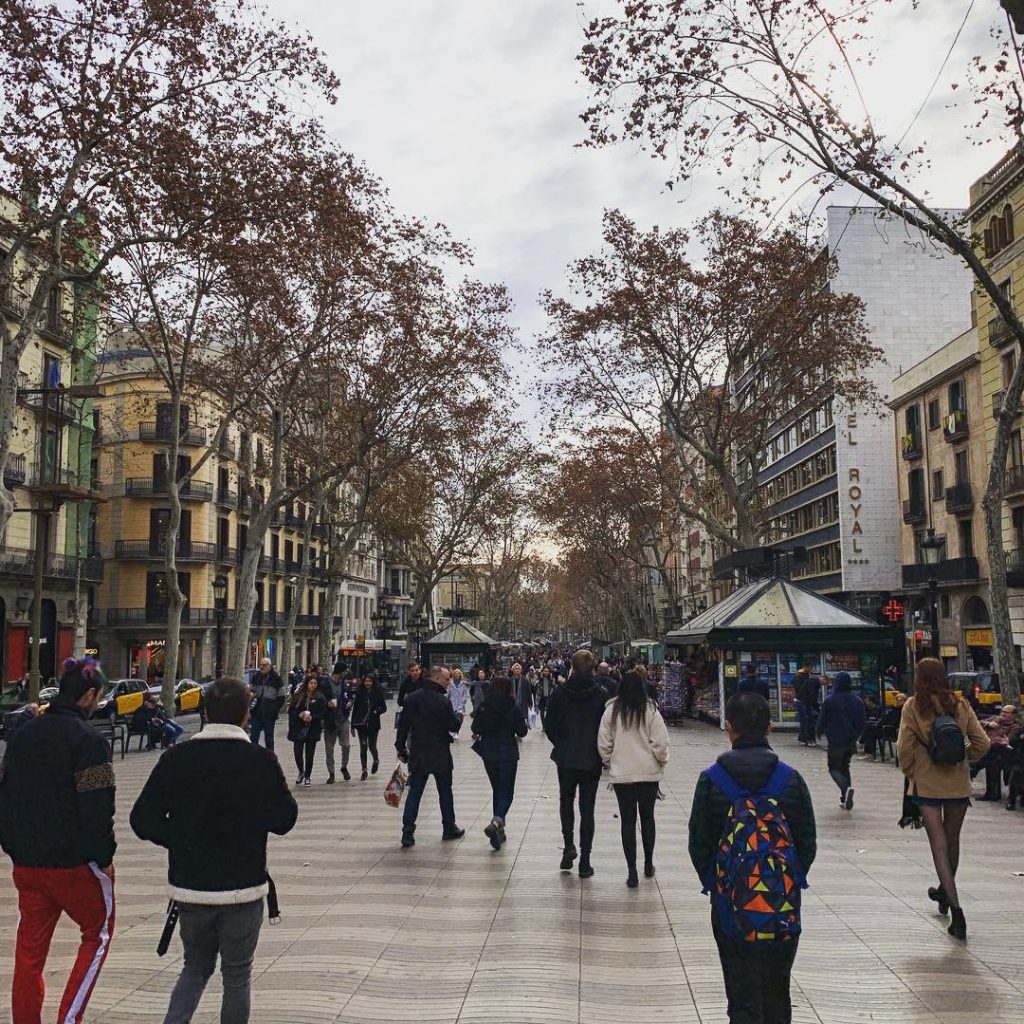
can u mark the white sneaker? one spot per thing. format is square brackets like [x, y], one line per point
[306, 781]
[299, 780]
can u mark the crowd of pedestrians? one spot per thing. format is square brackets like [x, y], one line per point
[212, 804]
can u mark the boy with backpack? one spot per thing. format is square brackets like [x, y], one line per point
[752, 842]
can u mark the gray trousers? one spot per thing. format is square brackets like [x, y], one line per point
[232, 931]
[342, 735]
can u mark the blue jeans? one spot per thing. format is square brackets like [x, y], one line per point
[265, 727]
[445, 797]
[172, 730]
[502, 775]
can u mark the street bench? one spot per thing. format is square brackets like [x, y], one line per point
[113, 730]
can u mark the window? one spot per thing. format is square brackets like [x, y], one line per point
[934, 414]
[1013, 456]
[913, 420]
[1008, 223]
[944, 607]
[957, 397]
[1007, 363]
[915, 487]
[163, 419]
[1018, 527]
[938, 486]
[53, 308]
[965, 531]
[962, 467]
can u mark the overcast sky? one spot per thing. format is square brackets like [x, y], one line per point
[468, 109]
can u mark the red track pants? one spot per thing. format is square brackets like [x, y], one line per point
[86, 895]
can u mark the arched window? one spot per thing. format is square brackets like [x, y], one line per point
[998, 228]
[1008, 222]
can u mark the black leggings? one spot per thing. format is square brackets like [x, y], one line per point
[636, 797]
[304, 751]
[367, 741]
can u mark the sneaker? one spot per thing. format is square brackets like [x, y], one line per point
[455, 833]
[346, 774]
[492, 831]
[408, 841]
[502, 838]
[374, 767]
[298, 781]
[306, 781]
[363, 777]
[848, 801]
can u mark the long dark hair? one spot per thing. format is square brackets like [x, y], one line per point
[502, 685]
[931, 687]
[302, 696]
[632, 702]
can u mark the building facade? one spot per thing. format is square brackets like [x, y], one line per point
[939, 427]
[50, 472]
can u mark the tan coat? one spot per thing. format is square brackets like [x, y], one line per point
[928, 779]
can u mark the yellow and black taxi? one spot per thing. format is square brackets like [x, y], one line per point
[121, 698]
[980, 688]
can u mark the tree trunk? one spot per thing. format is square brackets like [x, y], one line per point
[300, 588]
[175, 598]
[245, 604]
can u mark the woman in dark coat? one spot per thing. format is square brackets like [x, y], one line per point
[305, 725]
[500, 723]
[368, 705]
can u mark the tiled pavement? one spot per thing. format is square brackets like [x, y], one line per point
[455, 932]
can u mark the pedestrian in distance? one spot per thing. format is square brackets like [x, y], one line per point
[368, 704]
[458, 693]
[479, 688]
[842, 720]
[808, 704]
[268, 698]
[411, 683]
[633, 742]
[424, 741]
[753, 683]
[574, 717]
[1004, 732]
[752, 842]
[499, 724]
[305, 725]
[545, 687]
[939, 736]
[211, 803]
[522, 691]
[337, 724]
[57, 826]
[606, 680]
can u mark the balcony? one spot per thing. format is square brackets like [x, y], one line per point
[14, 471]
[147, 487]
[954, 426]
[22, 561]
[294, 519]
[1015, 568]
[162, 432]
[959, 498]
[186, 551]
[227, 555]
[227, 448]
[914, 510]
[999, 332]
[911, 446]
[158, 616]
[227, 498]
[951, 570]
[1013, 482]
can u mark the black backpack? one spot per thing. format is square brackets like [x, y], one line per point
[947, 744]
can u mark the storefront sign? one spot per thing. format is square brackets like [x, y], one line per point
[731, 670]
[949, 651]
[978, 637]
[855, 494]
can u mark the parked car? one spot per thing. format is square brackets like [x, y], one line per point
[980, 688]
[121, 698]
[188, 695]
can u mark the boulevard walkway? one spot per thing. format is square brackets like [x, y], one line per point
[455, 932]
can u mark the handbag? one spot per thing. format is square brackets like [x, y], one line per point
[396, 787]
[911, 817]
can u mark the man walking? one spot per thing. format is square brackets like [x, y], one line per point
[424, 740]
[572, 723]
[337, 724]
[842, 720]
[752, 683]
[757, 964]
[268, 697]
[57, 825]
[545, 687]
[211, 803]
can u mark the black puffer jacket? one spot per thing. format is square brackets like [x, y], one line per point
[368, 704]
[498, 722]
[57, 793]
[424, 731]
[298, 730]
[750, 763]
[572, 721]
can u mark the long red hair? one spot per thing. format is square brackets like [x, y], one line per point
[931, 687]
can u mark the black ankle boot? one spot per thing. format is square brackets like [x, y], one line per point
[938, 895]
[586, 871]
[632, 879]
[958, 926]
[568, 856]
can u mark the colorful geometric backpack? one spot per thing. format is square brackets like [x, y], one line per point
[756, 878]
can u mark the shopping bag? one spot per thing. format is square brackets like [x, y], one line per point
[533, 718]
[396, 786]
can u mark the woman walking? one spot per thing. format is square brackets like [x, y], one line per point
[499, 724]
[305, 725]
[367, 707]
[633, 741]
[935, 720]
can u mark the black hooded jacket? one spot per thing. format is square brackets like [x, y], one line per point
[750, 763]
[498, 722]
[572, 722]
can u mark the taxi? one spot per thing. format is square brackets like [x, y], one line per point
[188, 695]
[980, 688]
[121, 698]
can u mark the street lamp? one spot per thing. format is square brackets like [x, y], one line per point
[220, 603]
[384, 619]
[931, 548]
[418, 630]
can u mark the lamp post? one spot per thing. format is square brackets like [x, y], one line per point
[220, 603]
[384, 619]
[931, 547]
[417, 630]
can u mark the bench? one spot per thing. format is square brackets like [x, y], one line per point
[113, 730]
